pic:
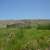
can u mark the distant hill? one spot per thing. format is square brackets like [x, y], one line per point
[9, 22]
[23, 23]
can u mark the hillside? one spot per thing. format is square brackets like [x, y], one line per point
[24, 21]
[35, 36]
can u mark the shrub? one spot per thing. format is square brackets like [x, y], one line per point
[44, 27]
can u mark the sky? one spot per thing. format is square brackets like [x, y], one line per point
[24, 9]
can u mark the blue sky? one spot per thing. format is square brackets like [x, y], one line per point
[24, 9]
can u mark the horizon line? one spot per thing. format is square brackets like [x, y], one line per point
[26, 19]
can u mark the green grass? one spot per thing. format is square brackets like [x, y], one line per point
[18, 39]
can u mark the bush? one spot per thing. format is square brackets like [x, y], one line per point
[44, 27]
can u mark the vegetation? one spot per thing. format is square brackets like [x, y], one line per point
[25, 38]
[44, 27]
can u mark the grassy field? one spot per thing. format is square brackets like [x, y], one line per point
[24, 39]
